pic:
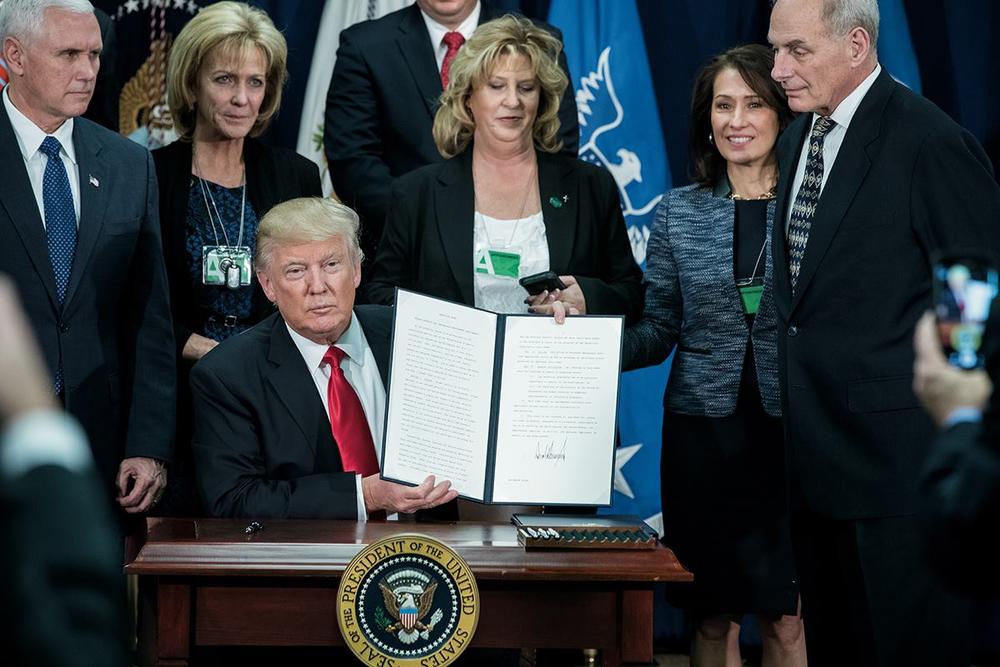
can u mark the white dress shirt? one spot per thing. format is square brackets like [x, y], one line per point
[526, 237]
[437, 32]
[29, 140]
[362, 374]
[834, 139]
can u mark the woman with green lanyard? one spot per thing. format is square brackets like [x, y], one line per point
[708, 297]
[506, 205]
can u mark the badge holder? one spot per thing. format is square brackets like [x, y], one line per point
[228, 266]
[752, 288]
[750, 293]
[499, 263]
[225, 265]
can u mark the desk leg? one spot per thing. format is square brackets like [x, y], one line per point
[165, 622]
[637, 626]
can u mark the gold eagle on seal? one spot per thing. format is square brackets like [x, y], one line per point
[408, 608]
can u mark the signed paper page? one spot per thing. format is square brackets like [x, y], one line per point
[558, 402]
[438, 404]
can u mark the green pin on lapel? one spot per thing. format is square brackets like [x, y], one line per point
[556, 202]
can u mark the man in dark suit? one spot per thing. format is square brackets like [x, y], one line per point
[80, 237]
[61, 598]
[287, 414]
[382, 99]
[873, 179]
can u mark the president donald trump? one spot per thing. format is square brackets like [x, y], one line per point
[287, 414]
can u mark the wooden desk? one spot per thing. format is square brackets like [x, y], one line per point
[203, 582]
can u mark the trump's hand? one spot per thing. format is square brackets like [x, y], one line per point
[382, 495]
[149, 481]
[941, 387]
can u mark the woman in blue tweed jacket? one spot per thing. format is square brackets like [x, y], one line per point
[708, 294]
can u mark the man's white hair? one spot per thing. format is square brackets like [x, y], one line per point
[842, 16]
[23, 18]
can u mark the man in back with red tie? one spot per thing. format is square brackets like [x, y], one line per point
[383, 94]
[288, 416]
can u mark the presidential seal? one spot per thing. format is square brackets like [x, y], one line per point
[407, 601]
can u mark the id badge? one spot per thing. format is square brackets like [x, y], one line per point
[226, 266]
[499, 263]
[750, 295]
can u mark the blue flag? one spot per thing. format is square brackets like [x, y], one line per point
[895, 48]
[620, 131]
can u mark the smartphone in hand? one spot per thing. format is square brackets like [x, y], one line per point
[537, 283]
[965, 284]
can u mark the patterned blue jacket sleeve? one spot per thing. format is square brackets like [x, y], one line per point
[651, 340]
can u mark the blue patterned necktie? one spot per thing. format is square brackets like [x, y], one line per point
[60, 224]
[60, 216]
[804, 208]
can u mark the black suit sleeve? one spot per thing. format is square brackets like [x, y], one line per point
[397, 249]
[962, 488]
[171, 169]
[149, 332]
[961, 485]
[955, 199]
[352, 138]
[231, 471]
[61, 597]
[310, 184]
[103, 107]
[618, 288]
[569, 121]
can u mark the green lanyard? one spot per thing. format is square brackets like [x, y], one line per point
[752, 288]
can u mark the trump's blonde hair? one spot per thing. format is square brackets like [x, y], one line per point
[306, 219]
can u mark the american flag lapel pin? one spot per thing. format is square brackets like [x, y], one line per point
[93, 181]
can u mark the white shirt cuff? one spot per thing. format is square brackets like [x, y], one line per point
[962, 416]
[362, 513]
[43, 437]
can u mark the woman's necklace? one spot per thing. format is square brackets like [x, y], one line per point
[231, 257]
[520, 213]
[767, 195]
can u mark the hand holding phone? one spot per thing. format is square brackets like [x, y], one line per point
[537, 283]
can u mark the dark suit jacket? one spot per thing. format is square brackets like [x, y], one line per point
[428, 240]
[61, 595]
[907, 181]
[961, 487]
[262, 440]
[273, 175]
[113, 332]
[380, 110]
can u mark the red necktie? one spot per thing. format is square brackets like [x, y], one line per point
[454, 41]
[347, 420]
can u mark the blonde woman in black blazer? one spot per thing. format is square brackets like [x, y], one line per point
[225, 75]
[505, 193]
